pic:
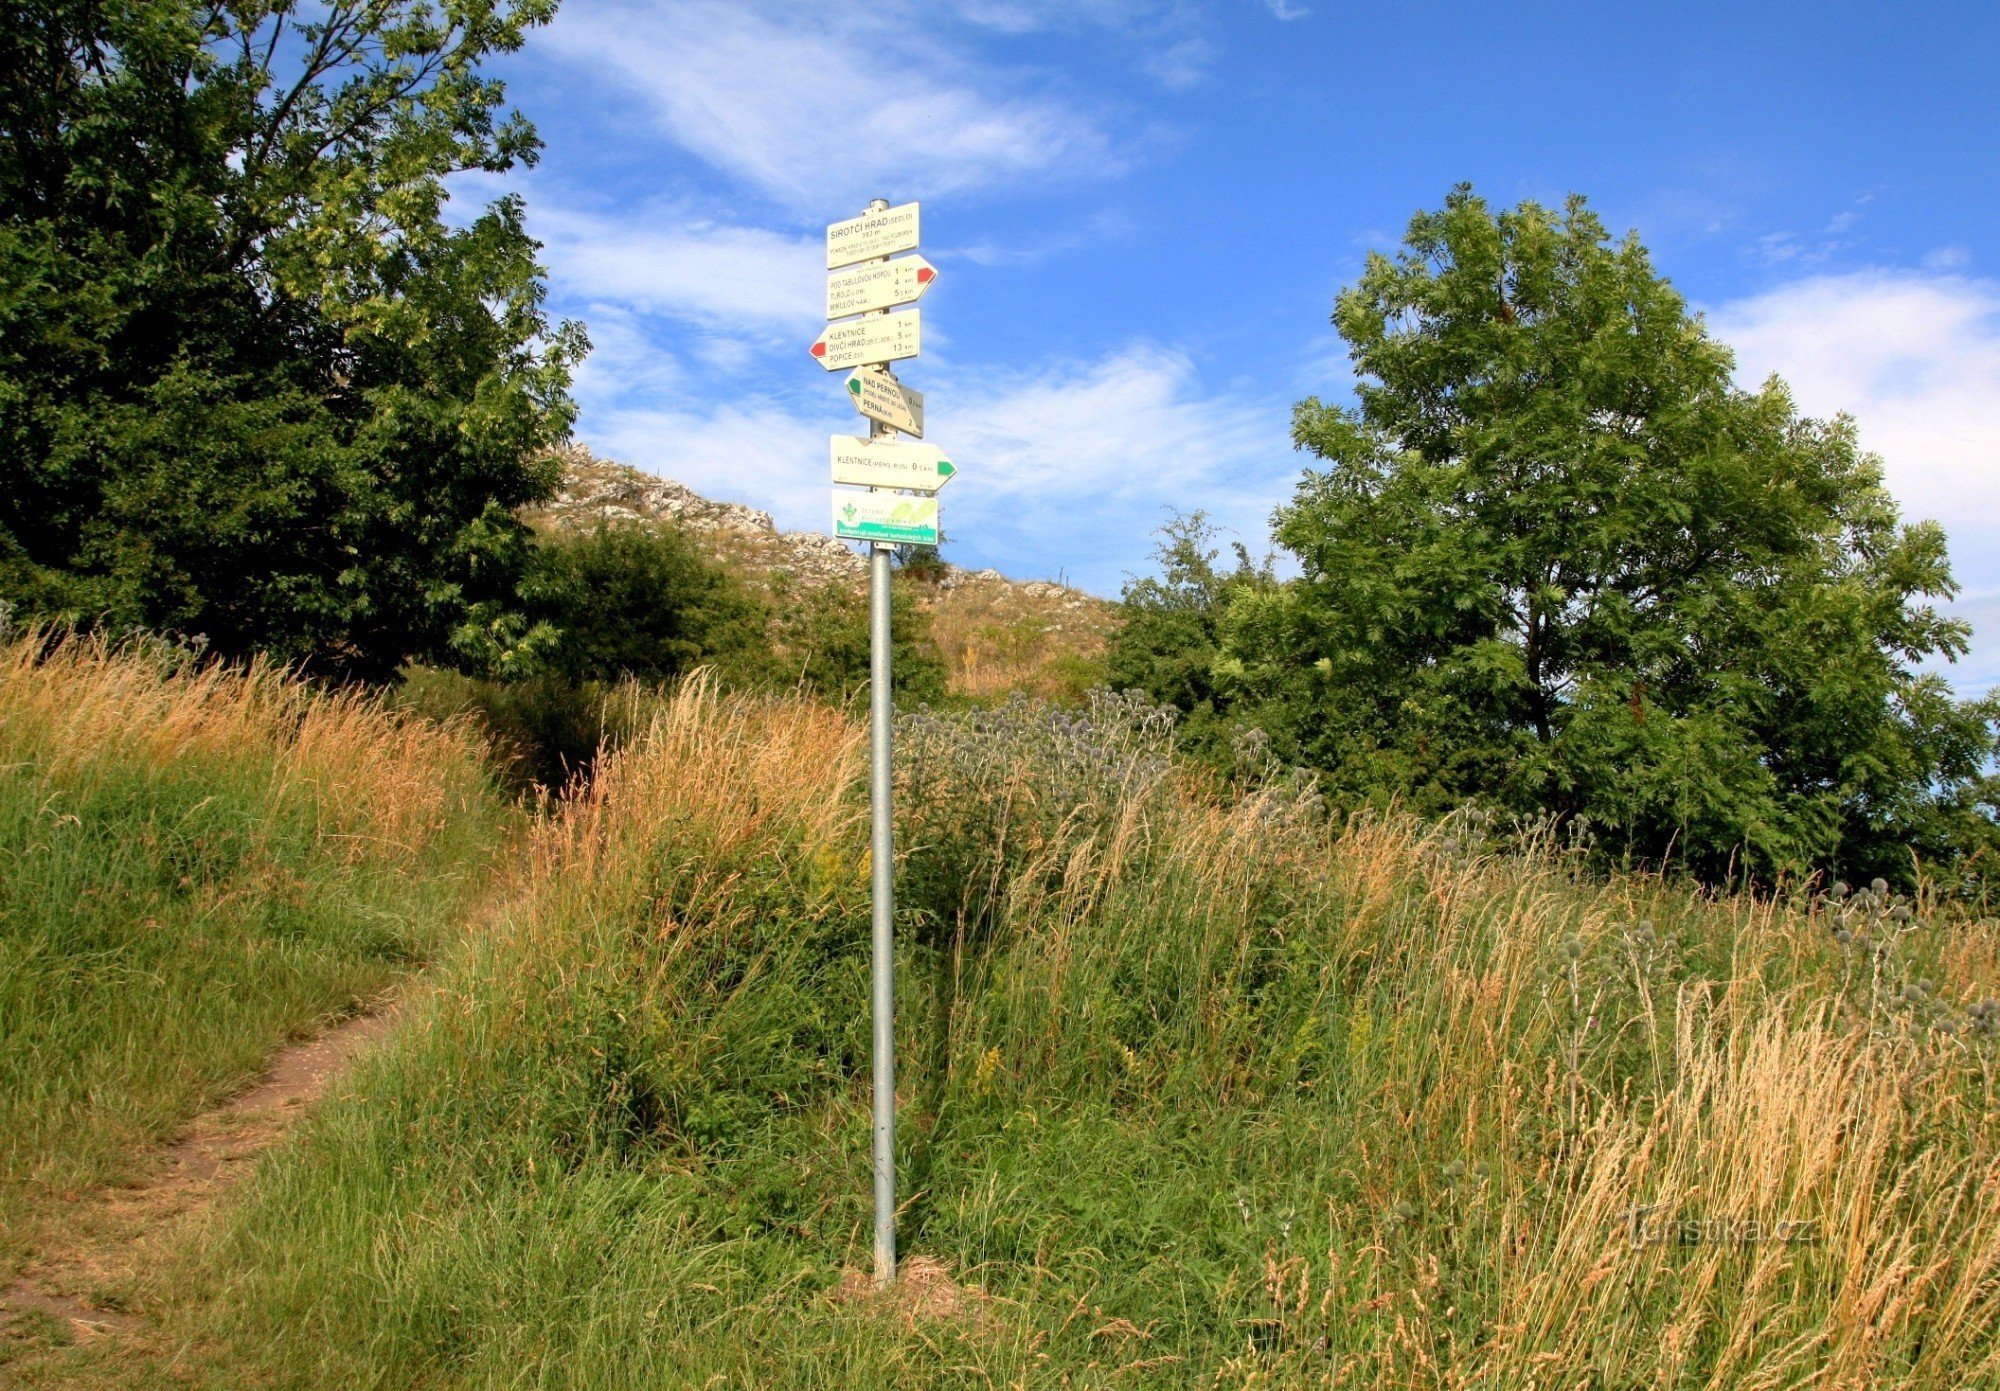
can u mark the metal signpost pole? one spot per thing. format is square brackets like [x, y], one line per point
[899, 508]
[883, 866]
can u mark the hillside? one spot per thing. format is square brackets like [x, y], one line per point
[996, 634]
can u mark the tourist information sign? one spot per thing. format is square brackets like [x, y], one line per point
[876, 233]
[865, 342]
[887, 517]
[873, 463]
[882, 398]
[882, 285]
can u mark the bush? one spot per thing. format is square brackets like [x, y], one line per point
[642, 602]
[820, 642]
[541, 731]
[985, 796]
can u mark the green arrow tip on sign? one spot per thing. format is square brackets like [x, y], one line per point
[945, 469]
[854, 386]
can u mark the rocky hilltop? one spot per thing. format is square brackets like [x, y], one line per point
[996, 633]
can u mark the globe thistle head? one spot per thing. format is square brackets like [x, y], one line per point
[1879, 885]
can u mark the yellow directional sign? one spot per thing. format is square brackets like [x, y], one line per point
[871, 235]
[860, 342]
[921, 468]
[882, 285]
[881, 397]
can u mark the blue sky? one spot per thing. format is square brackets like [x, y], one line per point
[1141, 211]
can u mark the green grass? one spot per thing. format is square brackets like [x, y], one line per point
[1206, 1093]
[1197, 1090]
[196, 867]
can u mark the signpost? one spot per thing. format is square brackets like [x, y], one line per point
[873, 463]
[887, 401]
[898, 508]
[883, 285]
[868, 341]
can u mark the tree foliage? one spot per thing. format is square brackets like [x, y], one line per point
[643, 603]
[1554, 559]
[1170, 643]
[253, 384]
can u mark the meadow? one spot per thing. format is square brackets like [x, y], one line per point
[198, 866]
[1201, 1086]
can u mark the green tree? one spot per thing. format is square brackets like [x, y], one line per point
[1556, 560]
[253, 386]
[1169, 639]
[642, 602]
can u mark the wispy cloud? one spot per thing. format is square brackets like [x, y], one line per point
[1800, 249]
[763, 451]
[1915, 359]
[1082, 459]
[673, 262]
[1181, 66]
[1166, 35]
[824, 105]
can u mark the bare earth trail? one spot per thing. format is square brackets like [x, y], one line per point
[113, 1239]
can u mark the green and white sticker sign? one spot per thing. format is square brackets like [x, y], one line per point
[891, 517]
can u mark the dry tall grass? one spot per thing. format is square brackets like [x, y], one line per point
[1199, 1090]
[79, 706]
[999, 637]
[200, 862]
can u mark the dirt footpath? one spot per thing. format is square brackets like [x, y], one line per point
[113, 1239]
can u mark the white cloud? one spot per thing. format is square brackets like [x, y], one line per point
[1082, 460]
[665, 261]
[1030, 16]
[1979, 671]
[623, 363]
[762, 452]
[1180, 66]
[1915, 359]
[821, 105]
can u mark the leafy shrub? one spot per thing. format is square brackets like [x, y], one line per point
[642, 602]
[820, 642]
[634, 610]
[542, 731]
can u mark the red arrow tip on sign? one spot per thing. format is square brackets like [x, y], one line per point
[925, 275]
[819, 347]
